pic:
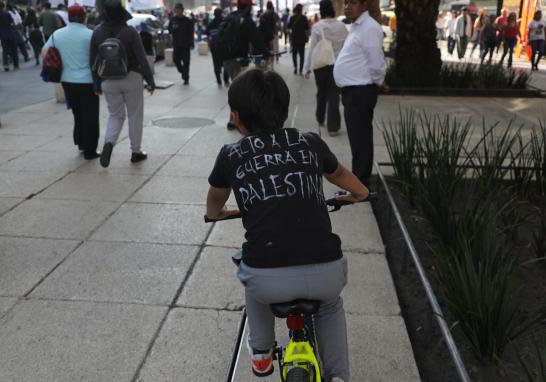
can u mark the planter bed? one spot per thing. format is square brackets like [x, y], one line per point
[431, 354]
[454, 92]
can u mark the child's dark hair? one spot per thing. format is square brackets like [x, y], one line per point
[261, 99]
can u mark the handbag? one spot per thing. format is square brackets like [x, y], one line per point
[323, 53]
[52, 67]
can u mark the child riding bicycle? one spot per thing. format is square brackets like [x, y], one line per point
[290, 251]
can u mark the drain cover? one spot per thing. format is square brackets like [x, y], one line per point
[182, 122]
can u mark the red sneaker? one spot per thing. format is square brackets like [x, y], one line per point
[262, 362]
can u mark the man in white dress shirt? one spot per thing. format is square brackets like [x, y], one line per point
[359, 71]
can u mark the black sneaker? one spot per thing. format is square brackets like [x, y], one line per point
[138, 157]
[186, 82]
[106, 154]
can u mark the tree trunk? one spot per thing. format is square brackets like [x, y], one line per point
[417, 57]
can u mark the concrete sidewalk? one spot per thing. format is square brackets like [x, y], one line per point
[111, 274]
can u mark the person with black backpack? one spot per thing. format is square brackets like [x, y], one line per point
[119, 65]
[181, 29]
[212, 34]
[268, 27]
[235, 35]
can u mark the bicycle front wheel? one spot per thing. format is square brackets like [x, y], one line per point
[298, 374]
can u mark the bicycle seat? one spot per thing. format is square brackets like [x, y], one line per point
[296, 307]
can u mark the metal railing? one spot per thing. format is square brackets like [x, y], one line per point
[436, 310]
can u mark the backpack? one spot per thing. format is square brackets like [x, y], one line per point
[228, 36]
[111, 59]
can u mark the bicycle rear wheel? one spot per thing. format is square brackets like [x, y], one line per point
[298, 374]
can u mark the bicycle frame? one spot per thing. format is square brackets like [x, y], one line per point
[299, 352]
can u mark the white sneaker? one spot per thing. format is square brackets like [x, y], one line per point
[337, 379]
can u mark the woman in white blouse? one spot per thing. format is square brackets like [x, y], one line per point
[327, 91]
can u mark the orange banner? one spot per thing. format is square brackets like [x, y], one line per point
[528, 8]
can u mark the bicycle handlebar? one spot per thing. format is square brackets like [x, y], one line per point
[332, 202]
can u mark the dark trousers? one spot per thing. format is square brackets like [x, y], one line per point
[451, 42]
[9, 49]
[218, 66]
[537, 49]
[359, 103]
[462, 43]
[508, 48]
[327, 98]
[85, 108]
[298, 49]
[181, 58]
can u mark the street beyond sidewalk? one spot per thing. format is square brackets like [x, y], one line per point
[111, 274]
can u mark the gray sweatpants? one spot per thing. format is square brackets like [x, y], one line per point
[125, 93]
[324, 282]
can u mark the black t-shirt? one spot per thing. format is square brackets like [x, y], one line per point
[277, 181]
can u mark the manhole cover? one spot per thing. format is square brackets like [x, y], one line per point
[182, 122]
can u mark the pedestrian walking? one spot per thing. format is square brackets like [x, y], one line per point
[463, 32]
[236, 33]
[49, 21]
[499, 23]
[360, 71]
[284, 19]
[181, 29]
[35, 36]
[536, 39]
[298, 27]
[268, 29]
[73, 43]
[488, 38]
[335, 32]
[125, 93]
[510, 34]
[478, 26]
[451, 32]
[8, 39]
[19, 31]
[212, 34]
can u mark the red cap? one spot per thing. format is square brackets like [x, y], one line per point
[76, 10]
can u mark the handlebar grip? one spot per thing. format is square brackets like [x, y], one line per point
[209, 220]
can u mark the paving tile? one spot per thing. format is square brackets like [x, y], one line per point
[213, 283]
[155, 223]
[187, 165]
[25, 261]
[164, 189]
[123, 165]
[380, 350]
[6, 303]
[6, 155]
[370, 289]
[212, 337]
[55, 218]
[229, 233]
[39, 161]
[21, 184]
[120, 272]
[75, 341]
[21, 142]
[357, 228]
[7, 203]
[104, 186]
